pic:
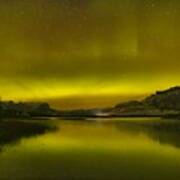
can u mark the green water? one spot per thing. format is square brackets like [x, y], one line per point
[120, 149]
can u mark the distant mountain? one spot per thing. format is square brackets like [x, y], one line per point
[162, 103]
[10, 109]
[168, 99]
[26, 109]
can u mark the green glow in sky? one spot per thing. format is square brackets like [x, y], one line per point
[88, 49]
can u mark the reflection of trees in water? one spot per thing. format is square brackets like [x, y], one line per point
[165, 132]
[12, 131]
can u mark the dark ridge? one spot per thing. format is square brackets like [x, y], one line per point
[162, 103]
[172, 89]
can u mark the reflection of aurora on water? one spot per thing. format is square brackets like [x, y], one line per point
[116, 149]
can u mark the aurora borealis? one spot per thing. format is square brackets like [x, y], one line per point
[88, 53]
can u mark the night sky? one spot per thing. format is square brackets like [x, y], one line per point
[88, 53]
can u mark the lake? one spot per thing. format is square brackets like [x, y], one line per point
[111, 149]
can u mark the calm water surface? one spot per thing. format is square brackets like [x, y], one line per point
[127, 149]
